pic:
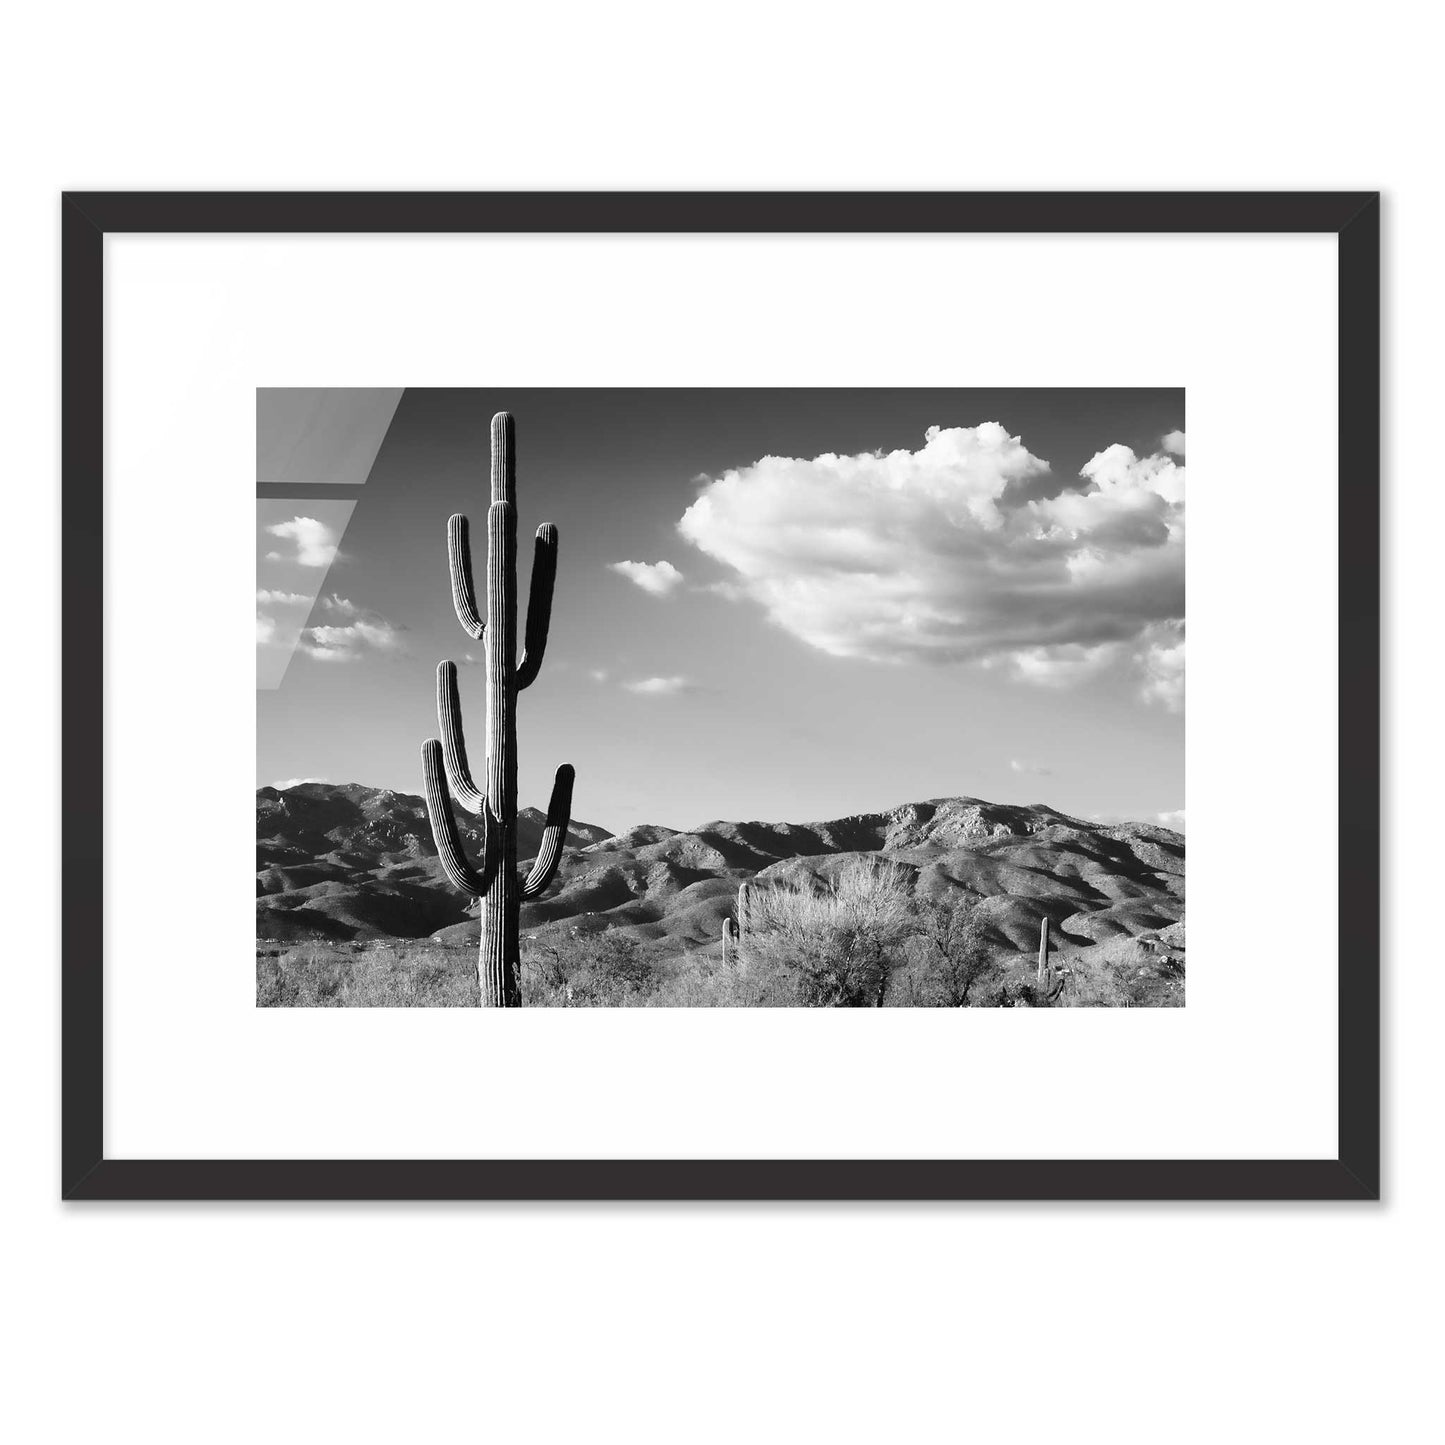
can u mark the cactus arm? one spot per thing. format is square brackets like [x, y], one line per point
[554, 835]
[454, 747]
[464, 592]
[444, 829]
[1042, 978]
[539, 605]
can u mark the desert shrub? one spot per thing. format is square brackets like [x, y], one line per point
[1121, 983]
[833, 947]
[951, 962]
[367, 975]
[580, 970]
[700, 979]
[274, 989]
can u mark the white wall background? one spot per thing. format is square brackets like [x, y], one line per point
[1000, 1323]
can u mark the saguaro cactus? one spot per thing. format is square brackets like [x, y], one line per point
[444, 764]
[745, 905]
[1048, 985]
[733, 929]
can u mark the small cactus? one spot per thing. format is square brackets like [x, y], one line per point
[1048, 983]
[734, 928]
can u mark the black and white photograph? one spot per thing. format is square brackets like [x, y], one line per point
[670, 522]
[690, 698]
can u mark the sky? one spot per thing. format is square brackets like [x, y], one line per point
[779, 605]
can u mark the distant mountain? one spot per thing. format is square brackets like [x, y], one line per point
[354, 862]
[347, 861]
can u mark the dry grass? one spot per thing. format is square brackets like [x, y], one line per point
[862, 942]
[398, 974]
[1130, 982]
[612, 970]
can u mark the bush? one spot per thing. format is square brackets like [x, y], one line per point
[367, 975]
[834, 947]
[577, 970]
[952, 964]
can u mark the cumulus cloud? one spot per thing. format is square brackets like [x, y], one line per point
[315, 542]
[1033, 769]
[967, 549]
[1173, 442]
[340, 606]
[285, 783]
[1173, 819]
[658, 686]
[282, 599]
[658, 578]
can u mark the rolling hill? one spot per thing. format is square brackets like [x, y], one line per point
[354, 863]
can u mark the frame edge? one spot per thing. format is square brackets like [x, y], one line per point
[87, 1175]
[82, 383]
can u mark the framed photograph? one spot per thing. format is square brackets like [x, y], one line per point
[715, 722]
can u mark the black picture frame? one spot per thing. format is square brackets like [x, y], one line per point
[86, 1174]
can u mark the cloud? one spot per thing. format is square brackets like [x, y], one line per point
[1064, 665]
[598, 674]
[372, 633]
[1031, 768]
[1173, 819]
[967, 549]
[729, 590]
[658, 686]
[1173, 442]
[315, 541]
[658, 578]
[283, 599]
[1161, 659]
[296, 783]
[367, 632]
